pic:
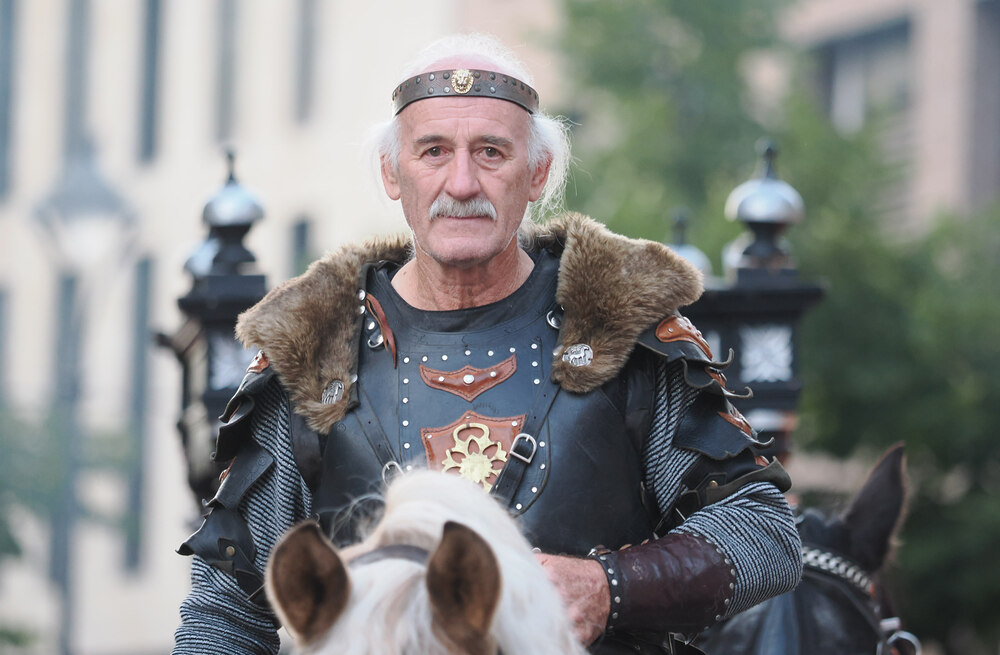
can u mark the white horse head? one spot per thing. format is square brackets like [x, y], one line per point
[445, 572]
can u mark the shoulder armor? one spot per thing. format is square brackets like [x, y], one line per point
[235, 418]
[676, 338]
[711, 425]
[224, 539]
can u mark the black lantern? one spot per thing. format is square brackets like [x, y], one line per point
[756, 310]
[213, 361]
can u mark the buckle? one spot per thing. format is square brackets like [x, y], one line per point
[390, 470]
[531, 440]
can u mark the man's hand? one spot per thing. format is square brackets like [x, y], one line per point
[584, 590]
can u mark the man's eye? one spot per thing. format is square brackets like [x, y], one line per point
[434, 152]
[491, 152]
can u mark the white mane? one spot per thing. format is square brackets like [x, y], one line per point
[389, 611]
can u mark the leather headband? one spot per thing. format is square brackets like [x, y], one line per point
[464, 82]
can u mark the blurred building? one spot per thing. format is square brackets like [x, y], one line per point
[928, 69]
[114, 117]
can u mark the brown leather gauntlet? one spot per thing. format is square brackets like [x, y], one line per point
[678, 583]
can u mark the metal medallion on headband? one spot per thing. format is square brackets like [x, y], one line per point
[461, 80]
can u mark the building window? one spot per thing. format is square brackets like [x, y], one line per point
[985, 169]
[8, 35]
[865, 74]
[150, 81]
[302, 252]
[305, 60]
[226, 70]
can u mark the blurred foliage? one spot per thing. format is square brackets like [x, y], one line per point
[659, 108]
[904, 345]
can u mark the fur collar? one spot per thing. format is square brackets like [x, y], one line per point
[611, 288]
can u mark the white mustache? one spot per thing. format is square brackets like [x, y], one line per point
[445, 205]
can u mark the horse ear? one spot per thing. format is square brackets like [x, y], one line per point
[307, 583]
[463, 582]
[875, 512]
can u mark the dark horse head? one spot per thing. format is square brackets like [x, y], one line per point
[837, 608]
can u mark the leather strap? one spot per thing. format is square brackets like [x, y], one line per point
[522, 451]
[372, 429]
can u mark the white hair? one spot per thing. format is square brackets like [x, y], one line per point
[389, 610]
[548, 136]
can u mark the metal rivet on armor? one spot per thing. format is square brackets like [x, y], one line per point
[361, 294]
[469, 378]
[514, 423]
[518, 506]
[725, 602]
[493, 374]
[534, 363]
[541, 467]
[468, 352]
[431, 76]
[424, 358]
[614, 583]
[718, 617]
[493, 89]
[406, 445]
[534, 346]
[614, 615]
[354, 378]
[430, 90]
[670, 329]
[405, 423]
[444, 358]
[513, 349]
[409, 467]
[489, 352]
[618, 599]
[732, 572]
[379, 339]
[406, 380]
[371, 325]
[732, 585]
[534, 490]
[611, 571]
[230, 551]
[728, 562]
[447, 89]
[406, 360]
[406, 400]
[361, 309]
[541, 444]
[537, 381]
[440, 378]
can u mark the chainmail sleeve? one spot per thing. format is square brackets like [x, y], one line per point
[217, 616]
[753, 529]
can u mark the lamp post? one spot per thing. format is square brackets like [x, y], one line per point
[757, 310]
[85, 223]
[212, 361]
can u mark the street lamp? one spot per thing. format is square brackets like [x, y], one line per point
[85, 224]
[212, 361]
[757, 310]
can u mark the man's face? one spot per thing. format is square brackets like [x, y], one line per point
[463, 149]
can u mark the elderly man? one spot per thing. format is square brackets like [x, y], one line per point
[546, 362]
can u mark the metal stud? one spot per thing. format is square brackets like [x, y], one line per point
[440, 378]
[534, 346]
[406, 360]
[406, 445]
[405, 423]
[424, 358]
[406, 400]
[444, 358]
[469, 378]
[489, 353]
[361, 294]
[518, 506]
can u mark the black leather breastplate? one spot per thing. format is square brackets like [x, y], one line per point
[455, 399]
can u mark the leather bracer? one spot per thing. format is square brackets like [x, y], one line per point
[677, 583]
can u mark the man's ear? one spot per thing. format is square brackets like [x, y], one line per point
[390, 178]
[538, 179]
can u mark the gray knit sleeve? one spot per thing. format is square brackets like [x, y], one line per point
[216, 616]
[753, 528]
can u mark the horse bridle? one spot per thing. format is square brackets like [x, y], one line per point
[849, 578]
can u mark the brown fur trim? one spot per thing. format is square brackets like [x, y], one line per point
[611, 288]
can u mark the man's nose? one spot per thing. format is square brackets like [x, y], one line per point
[463, 179]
